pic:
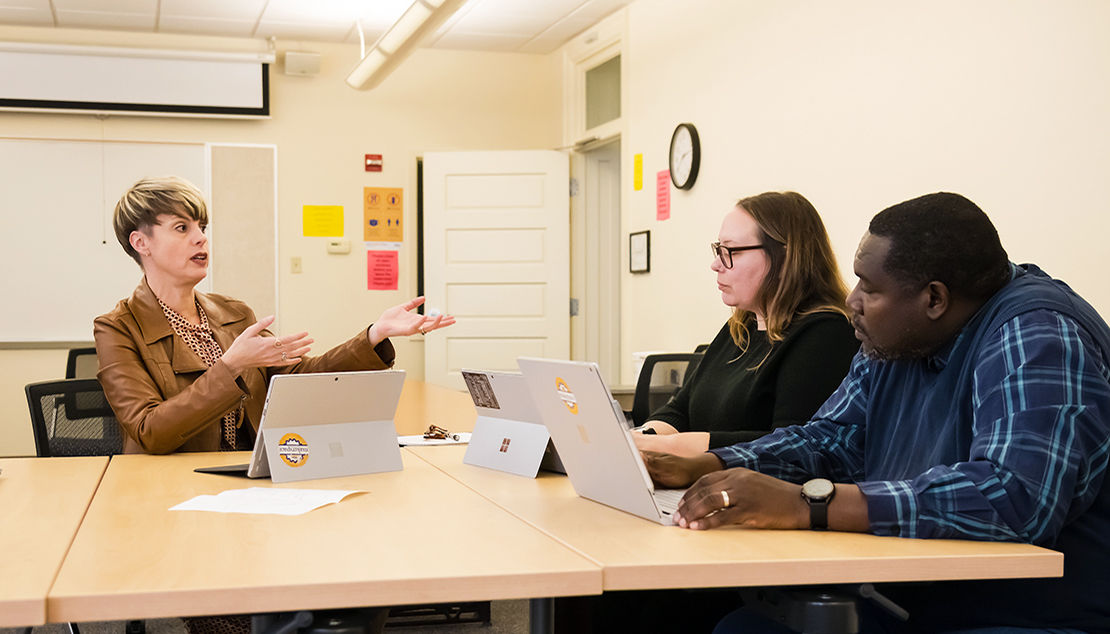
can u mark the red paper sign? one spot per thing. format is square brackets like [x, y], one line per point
[663, 195]
[381, 270]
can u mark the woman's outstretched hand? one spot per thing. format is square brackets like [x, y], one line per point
[400, 321]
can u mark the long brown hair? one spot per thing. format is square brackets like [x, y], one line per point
[803, 276]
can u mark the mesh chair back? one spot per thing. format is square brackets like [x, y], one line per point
[71, 417]
[82, 363]
[660, 379]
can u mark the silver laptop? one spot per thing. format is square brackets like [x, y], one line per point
[593, 440]
[509, 434]
[326, 425]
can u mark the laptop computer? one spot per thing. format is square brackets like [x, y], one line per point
[509, 434]
[593, 440]
[325, 425]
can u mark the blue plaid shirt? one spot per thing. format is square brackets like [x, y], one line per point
[1025, 455]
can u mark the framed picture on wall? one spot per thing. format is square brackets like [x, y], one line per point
[639, 252]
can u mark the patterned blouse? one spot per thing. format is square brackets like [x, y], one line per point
[201, 341]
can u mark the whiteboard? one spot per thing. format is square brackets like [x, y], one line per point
[65, 266]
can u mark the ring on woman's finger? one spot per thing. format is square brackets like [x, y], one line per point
[277, 342]
[724, 496]
[283, 356]
[422, 331]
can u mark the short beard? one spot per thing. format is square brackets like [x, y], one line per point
[880, 353]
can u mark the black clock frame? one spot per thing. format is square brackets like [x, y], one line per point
[695, 161]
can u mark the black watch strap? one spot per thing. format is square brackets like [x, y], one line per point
[819, 515]
[818, 493]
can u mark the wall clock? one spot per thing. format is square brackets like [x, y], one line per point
[685, 156]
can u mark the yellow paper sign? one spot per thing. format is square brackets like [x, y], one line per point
[324, 221]
[638, 172]
[382, 212]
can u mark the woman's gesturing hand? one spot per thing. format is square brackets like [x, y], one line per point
[400, 321]
[252, 350]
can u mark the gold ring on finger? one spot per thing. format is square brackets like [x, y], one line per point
[283, 356]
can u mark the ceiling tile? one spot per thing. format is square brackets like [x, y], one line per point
[41, 5]
[332, 11]
[303, 31]
[226, 28]
[108, 6]
[99, 20]
[481, 42]
[249, 10]
[26, 17]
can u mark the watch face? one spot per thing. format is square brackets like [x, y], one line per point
[817, 489]
[685, 156]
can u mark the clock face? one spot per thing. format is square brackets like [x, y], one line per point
[685, 156]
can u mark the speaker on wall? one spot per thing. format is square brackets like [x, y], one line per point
[304, 64]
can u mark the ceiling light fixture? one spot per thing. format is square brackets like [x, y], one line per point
[418, 21]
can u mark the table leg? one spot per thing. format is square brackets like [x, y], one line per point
[541, 616]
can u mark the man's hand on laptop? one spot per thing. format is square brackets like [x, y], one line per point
[675, 472]
[745, 497]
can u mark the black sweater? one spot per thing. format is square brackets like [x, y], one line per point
[736, 401]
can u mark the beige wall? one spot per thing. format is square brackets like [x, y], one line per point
[438, 100]
[860, 104]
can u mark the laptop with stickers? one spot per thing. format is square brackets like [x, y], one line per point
[593, 439]
[509, 434]
[326, 425]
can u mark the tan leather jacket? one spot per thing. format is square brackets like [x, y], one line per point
[167, 399]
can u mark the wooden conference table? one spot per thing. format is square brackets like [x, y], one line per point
[42, 501]
[442, 531]
[636, 554]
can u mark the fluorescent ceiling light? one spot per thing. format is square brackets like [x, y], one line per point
[396, 44]
[366, 68]
[406, 26]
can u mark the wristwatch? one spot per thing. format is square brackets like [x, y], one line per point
[818, 492]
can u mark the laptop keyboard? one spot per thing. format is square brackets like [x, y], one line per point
[667, 499]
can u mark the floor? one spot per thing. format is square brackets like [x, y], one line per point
[507, 617]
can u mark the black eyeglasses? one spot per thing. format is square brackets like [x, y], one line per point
[725, 253]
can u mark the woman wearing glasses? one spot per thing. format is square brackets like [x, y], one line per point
[788, 343]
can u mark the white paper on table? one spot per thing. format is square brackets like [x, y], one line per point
[421, 441]
[259, 500]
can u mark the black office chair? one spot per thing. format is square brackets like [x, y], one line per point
[660, 379]
[71, 417]
[701, 347]
[818, 609]
[82, 363]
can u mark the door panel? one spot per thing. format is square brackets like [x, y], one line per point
[496, 256]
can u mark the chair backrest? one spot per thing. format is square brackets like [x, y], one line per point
[71, 417]
[701, 347]
[82, 363]
[660, 379]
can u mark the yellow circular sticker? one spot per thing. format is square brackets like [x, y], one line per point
[293, 450]
[566, 395]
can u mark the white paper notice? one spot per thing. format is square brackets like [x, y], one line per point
[260, 500]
